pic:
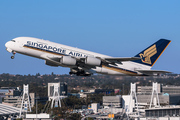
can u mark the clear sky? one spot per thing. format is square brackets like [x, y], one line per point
[118, 28]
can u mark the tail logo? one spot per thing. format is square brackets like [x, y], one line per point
[146, 56]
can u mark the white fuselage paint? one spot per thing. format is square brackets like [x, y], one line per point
[45, 47]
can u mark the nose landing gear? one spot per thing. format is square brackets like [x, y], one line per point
[12, 57]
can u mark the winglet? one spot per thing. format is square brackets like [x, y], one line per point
[151, 54]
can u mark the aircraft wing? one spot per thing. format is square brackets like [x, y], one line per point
[55, 60]
[153, 72]
[113, 60]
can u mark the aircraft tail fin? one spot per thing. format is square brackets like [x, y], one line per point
[151, 54]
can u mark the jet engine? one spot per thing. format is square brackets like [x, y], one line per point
[50, 63]
[92, 61]
[68, 60]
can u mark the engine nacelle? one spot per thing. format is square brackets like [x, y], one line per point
[68, 60]
[92, 61]
[50, 63]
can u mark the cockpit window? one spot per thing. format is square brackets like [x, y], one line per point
[13, 40]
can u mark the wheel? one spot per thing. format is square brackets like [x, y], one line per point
[12, 57]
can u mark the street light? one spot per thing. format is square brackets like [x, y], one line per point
[37, 97]
[123, 89]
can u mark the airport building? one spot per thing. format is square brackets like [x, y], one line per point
[164, 98]
[112, 101]
[16, 101]
[10, 92]
[168, 95]
[104, 91]
[83, 94]
[172, 111]
[148, 89]
[170, 89]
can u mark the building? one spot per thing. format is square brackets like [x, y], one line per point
[94, 91]
[170, 89]
[39, 116]
[95, 107]
[168, 95]
[104, 91]
[171, 111]
[16, 101]
[112, 100]
[128, 103]
[10, 92]
[7, 111]
[148, 89]
[62, 89]
[74, 94]
[145, 98]
[80, 94]
[113, 110]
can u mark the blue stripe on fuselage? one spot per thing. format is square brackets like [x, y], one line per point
[45, 50]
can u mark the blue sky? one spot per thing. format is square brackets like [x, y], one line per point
[115, 28]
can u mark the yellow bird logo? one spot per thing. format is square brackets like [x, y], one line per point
[146, 57]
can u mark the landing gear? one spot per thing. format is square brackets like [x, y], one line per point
[12, 57]
[79, 73]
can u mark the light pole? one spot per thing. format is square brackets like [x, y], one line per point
[111, 110]
[36, 108]
[123, 89]
[36, 105]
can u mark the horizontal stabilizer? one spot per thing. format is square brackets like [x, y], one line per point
[153, 72]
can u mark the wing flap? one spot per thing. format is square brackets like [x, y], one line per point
[123, 59]
[113, 61]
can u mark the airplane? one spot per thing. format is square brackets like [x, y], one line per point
[87, 63]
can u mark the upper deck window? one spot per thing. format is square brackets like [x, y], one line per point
[13, 40]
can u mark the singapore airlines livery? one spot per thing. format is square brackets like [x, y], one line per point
[86, 63]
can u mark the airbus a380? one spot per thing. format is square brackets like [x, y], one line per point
[86, 63]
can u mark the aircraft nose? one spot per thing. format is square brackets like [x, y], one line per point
[7, 44]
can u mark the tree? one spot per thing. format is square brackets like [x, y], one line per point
[40, 107]
[74, 116]
[59, 112]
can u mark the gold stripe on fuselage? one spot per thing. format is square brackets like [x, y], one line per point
[120, 70]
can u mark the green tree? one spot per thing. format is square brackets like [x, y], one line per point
[74, 116]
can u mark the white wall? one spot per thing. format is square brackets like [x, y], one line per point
[127, 103]
[95, 107]
[41, 115]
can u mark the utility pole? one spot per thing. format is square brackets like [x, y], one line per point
[123, 89]
[36, 108]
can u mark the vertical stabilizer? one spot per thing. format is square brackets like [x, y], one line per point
[151, 54]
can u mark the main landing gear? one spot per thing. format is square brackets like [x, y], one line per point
[12, 57]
